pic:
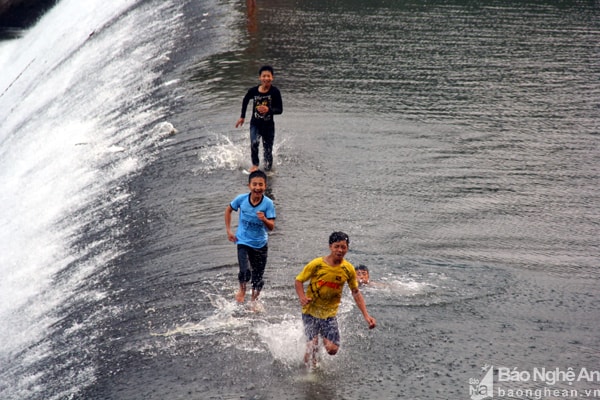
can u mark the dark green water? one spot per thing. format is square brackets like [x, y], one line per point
[456, 142]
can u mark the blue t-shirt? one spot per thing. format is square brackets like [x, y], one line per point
[251, 231]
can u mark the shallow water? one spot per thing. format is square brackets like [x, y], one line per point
[455, 142]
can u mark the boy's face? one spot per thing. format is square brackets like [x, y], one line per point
[339, 249]
[257, 185]
[362, 276]
[266, 77]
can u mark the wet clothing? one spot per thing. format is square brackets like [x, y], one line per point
[327, 328]
[251, 231]
[326, 286]
[271, 99]
[252, 264]
[252, 237]
[268, 137]
[262, 125]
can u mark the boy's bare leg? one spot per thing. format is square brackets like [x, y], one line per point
[312, 348]
[254, 304]
[331, 347]
[241, 294]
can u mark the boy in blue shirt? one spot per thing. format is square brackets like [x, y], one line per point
[256, 218]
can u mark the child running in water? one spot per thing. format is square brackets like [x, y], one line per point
[320, 303]
[266, 103]
[257, 217]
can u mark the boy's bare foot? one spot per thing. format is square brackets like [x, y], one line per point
[241, 294]
[253, 168]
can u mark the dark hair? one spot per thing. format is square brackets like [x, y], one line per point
[257, 174]
[362, 268]
[266, 68]
[338, 237]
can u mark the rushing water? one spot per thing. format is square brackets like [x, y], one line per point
[456, 142]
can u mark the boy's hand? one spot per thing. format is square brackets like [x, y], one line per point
[269, 223]
[305, 300]
[371, 321]
[262, 109]
[231, 237]
[239, 122]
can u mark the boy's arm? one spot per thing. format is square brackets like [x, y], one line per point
[230, 234]
[277, 104]
[245, 102]
[360, 302]
[269, 223]
[262, 215]
[300, 291]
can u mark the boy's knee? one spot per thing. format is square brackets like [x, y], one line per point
[244, 277]
[331, 348]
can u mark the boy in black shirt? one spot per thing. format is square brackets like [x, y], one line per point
[267, 103]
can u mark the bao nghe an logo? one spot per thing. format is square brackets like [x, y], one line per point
[484, 388]
[538, 383]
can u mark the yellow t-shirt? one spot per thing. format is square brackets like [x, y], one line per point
[326, 285]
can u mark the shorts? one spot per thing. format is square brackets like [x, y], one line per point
[327, 328]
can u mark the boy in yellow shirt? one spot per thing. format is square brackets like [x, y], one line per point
[320, 303]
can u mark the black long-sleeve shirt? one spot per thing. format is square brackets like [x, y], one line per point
[271, 99]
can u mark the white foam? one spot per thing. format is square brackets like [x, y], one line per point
[225, 154]
[229, 154]
[227, 317]
[285, 340]
[73, 100]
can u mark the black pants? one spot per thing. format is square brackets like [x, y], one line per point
[267, 133]
[252, 265]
